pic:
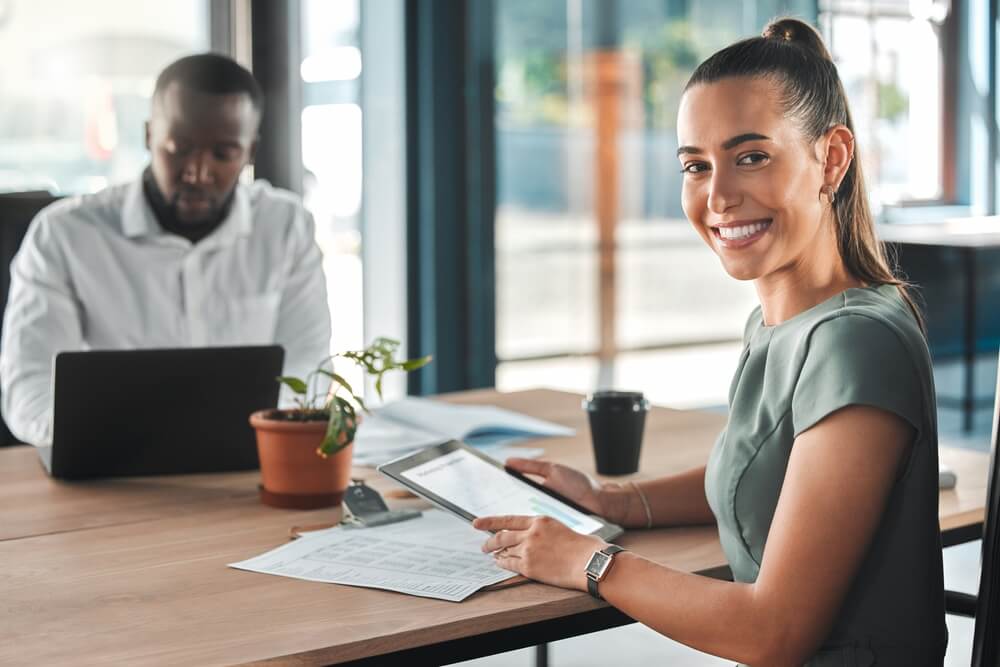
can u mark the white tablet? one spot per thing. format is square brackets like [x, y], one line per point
[466, 482]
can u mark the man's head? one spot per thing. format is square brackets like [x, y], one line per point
[202, 132]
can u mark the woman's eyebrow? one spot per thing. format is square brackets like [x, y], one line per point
[740, 138]
[728, 143]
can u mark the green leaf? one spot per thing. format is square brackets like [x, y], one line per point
[294, 383]
[329, 446]
[382, 343]
[340, 429]
[414, 364]
[344, 406]
[338, 379]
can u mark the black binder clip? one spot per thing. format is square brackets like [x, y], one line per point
[366, 508]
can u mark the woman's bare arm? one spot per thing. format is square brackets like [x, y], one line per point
[675, 500]
[838, 479]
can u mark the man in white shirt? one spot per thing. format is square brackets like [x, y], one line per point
[185, 256]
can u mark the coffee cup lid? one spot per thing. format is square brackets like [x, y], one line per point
[629, 400]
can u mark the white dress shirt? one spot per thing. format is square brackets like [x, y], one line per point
[98, 272]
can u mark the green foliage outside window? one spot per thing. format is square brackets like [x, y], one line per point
[892, 101]
[533, 84]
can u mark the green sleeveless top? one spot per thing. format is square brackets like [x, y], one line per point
[860, 347]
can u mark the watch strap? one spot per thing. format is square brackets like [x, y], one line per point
[592, 581]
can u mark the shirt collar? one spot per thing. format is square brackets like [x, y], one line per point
[139, 220]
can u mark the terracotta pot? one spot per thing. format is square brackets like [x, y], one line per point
[292, 474]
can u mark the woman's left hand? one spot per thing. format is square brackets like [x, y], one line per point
[540, 548]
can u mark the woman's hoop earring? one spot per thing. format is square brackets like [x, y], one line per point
[828, 193]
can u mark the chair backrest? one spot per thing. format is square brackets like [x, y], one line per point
[17, 209]
[986, 640]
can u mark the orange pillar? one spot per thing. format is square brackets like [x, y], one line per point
[615, 93]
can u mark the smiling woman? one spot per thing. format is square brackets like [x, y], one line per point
[793, 156]
[753, 196]
[823, 484]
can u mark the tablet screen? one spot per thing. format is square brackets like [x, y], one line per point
[483, 489]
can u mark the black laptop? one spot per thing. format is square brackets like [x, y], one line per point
[159, 411]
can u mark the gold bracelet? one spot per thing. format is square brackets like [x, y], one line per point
[645, 504]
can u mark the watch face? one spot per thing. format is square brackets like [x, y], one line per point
[598, 563]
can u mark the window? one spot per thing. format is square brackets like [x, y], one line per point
[600, 279]
[331, 154]
[76, 92]
[890, 58]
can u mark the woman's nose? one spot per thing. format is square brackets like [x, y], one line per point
[722, 193]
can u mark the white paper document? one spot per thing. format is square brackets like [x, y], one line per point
[410, 424]
[435, 556]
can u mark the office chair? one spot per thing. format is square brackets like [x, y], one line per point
[985, 607]
[17, 209]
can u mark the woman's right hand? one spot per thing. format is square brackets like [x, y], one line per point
[607, 501]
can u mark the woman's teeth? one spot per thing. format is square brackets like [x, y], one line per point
[742, 231]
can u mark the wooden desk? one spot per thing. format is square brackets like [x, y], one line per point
[134, 571]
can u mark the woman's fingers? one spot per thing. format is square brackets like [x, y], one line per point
[509, 522]
[508, 562]
[503, 540]
[540, 548]
[530, 466]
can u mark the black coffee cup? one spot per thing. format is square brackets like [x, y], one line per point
[617, 419]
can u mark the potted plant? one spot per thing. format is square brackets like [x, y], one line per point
[305, 451]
